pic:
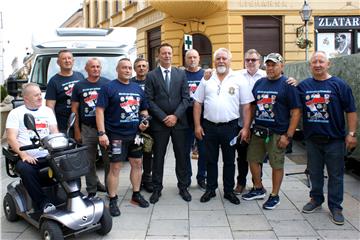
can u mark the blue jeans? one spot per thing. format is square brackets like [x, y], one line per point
[332, 155]
[201, 164]
[220, 135]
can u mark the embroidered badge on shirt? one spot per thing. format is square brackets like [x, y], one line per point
[231, 90]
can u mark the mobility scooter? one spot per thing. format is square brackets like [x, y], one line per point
[75, 213]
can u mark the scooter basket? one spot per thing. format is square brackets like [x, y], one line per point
[70, 164]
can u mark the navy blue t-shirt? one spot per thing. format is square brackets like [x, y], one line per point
[194, 79]
[274, 99]
[86, 94]
[141, 83]
[324, 104]
[122, 104]
[59, 88]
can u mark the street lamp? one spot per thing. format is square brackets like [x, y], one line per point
[305, 14]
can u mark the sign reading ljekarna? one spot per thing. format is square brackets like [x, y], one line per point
[341, 22]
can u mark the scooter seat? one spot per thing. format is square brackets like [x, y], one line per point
[11, 159]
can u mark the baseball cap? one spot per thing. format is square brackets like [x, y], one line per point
[274, 57]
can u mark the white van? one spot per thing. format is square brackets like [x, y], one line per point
[109, 45]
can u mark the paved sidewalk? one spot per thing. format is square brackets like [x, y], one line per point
[173, 218]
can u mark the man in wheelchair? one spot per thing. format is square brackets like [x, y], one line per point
[31, 161]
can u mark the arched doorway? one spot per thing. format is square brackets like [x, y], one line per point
[203, 45]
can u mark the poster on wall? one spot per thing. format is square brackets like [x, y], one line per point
[334, 44]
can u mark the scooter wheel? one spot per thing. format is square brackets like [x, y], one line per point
[10, 208]
[106, 222]
[50, 230]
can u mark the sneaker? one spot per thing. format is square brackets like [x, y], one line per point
[255, 193]
[311, 207]
[202, 185]
[113, 207]
[48, 208]
[337, 217]
[272, 202]
[139, 200]
[239, 189]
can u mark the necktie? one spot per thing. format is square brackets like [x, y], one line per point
[167, 80]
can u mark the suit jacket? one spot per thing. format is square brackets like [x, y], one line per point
[162, 102]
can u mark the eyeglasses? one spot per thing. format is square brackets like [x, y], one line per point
[219, 89]
[251, 59]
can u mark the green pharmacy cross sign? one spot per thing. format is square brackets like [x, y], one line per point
[188, 42]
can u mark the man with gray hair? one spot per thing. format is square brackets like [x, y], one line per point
[221, 96]
[326, 100]
[18, 135]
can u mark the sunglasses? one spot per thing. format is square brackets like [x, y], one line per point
[251, 59]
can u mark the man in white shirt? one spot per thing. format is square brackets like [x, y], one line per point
[251, 74]
[222, 96]
[17, 135]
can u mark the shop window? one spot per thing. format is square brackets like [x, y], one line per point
[337, 35]
[335, 44]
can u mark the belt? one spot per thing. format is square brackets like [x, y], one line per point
[221, 123]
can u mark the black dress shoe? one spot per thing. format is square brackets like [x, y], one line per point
[207, 196]
[184, 193]
[147, 186]
[202, 185]
[155, 196]
[100, 187]
[232, 198]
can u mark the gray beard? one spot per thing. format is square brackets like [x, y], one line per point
[221, 69]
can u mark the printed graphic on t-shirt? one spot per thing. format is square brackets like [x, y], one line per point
[90, 98]
[130, 104]
[265, 101]
[317, 105]
[192, 87]
[68, 88]
[42, 127]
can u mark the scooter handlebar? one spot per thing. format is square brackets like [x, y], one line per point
[28, 147]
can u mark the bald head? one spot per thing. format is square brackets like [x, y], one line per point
[192, 60]
[319, 65]
[93, 69]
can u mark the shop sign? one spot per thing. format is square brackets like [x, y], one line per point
[340, 22]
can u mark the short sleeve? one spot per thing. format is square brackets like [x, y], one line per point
[103, 98]
[12, 120]
[199, 94]
[51, 90]
[75, 93]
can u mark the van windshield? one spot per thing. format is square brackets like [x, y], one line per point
[45, 66]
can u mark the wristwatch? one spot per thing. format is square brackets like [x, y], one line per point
[101, 133]
[353, 134]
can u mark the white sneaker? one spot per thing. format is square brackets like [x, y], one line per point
[49, 207]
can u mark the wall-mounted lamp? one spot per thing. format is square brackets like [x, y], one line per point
[305, 14]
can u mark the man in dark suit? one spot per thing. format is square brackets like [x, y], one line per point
[167, 91]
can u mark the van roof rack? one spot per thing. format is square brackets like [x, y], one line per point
[83, 31]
